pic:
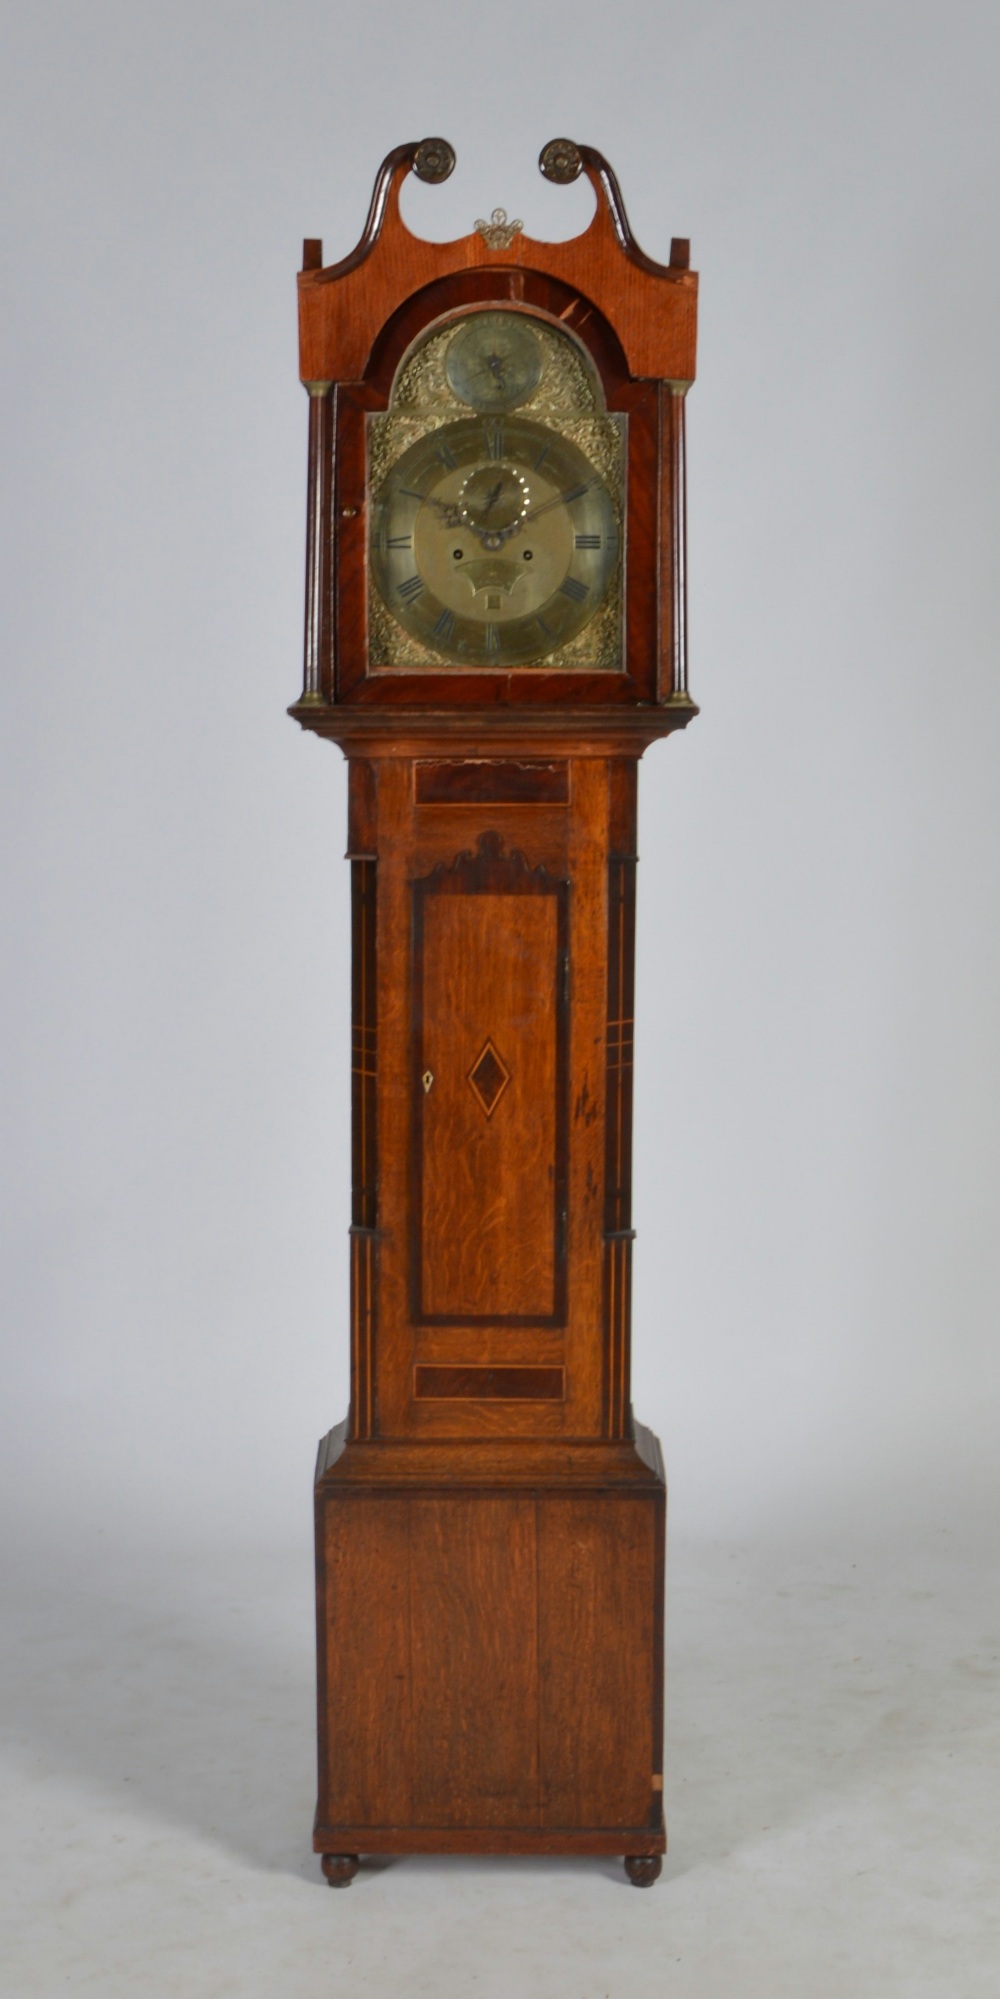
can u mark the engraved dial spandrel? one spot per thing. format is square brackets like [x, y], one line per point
[494, 541]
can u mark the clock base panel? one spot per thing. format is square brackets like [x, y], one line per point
[490, 1654]
[635, 1843]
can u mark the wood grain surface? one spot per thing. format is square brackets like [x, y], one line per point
[598, 1704]
[504, 1384]
[489, 1105]
[475, 1754]
[489, 1663]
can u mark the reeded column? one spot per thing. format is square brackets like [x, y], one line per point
[618, 1231]
[320, 404]
[678, 517]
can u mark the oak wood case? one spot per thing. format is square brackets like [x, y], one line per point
[489, 1519]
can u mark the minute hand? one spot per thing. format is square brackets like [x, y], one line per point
[557, 500]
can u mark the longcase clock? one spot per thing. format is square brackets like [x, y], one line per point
[495, 632]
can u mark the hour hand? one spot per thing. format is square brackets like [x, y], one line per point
[448, 512]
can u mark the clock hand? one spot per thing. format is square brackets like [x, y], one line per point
[557, 500]
[451, 518]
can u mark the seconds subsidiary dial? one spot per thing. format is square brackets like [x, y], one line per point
[494, 540]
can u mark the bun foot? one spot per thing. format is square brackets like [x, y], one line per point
[642, 1868]
[340, 1868]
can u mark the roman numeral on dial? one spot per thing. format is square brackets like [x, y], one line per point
[411, 588]
[492, 638]
[494, 440]
[399, 541]
[444, 625]
[588, 541]
[447, 456]
[575, 589]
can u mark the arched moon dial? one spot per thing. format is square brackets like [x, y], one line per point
[494, 361]
[493, 542]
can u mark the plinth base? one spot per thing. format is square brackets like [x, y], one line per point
[643, 1862]
[490, 1653]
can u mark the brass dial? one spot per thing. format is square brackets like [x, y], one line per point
[494, 540]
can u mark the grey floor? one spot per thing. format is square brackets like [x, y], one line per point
[833, 1793]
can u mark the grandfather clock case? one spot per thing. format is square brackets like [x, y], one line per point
[495, 632]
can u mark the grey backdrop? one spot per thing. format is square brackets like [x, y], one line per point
[817, 1261]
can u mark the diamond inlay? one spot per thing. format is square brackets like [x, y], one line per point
[488, 1078]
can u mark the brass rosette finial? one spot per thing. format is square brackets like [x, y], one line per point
[560, 161]
[434, 160]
